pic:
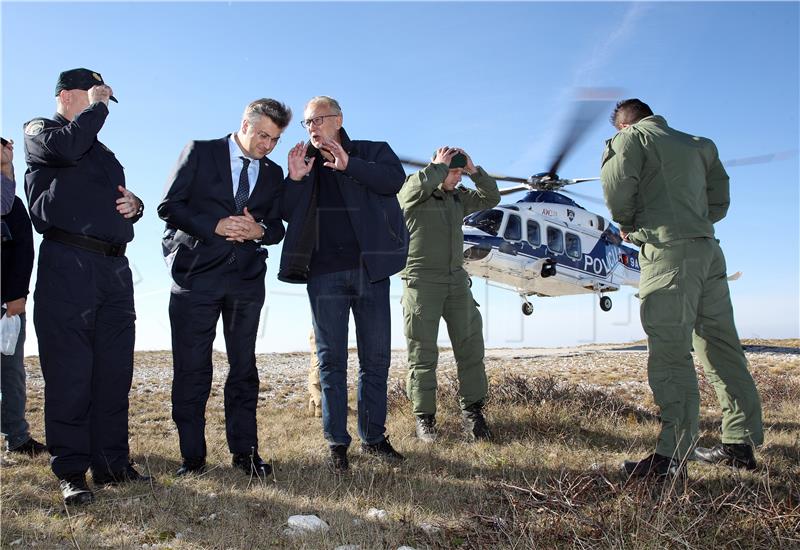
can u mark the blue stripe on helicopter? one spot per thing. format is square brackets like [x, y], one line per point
[596, 263]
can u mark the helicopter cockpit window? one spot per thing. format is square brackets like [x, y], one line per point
[513, 228]
[555, 240]
[486, 220]
[534, 236]
[573, 246]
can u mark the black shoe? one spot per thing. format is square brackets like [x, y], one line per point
[426, 428]
[656, 466]
[736, 455]
[251, 464]
[382, 450]
[338, 462]
[75, 491]
[125, 475]
[475, 426]
[191, 466]
[30, 448]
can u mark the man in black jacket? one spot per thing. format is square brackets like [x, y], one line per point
[16, 267]
[83, 310]
[346, 236]
[222, 209]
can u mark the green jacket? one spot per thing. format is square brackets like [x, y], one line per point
[434, 218]
[661, 185]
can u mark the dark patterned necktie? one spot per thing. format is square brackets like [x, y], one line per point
[243, 191]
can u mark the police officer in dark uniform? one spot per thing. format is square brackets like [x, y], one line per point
[83, 302]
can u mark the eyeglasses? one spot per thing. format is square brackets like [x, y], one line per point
[316, 121]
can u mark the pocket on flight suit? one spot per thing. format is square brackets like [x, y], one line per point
[420, 315]
[663, 308]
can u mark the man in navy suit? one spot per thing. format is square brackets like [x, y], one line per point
[222, 209]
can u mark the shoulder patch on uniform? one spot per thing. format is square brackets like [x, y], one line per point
[34, 127]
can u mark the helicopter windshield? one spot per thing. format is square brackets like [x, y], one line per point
[486, 220]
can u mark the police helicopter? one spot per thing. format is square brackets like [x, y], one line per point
[545, 243]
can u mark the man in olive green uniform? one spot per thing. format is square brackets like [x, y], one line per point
[435, 286]
[666, 189]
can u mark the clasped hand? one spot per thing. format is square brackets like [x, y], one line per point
[239, 228]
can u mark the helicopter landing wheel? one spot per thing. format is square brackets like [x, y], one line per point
[605, 303]
[527, 308]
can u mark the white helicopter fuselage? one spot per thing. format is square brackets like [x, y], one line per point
[550, 247]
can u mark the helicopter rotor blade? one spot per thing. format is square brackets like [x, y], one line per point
[516, 188]
[573, 181]
[414, 162]
[591, 103]
[512, 179]
[587, 198]
[760, 159]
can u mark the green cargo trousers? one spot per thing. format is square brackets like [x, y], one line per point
[685, 301]
[424, 304]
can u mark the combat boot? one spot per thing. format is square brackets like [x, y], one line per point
[735, 455]
[474, 423]
[655, 466]
[426, 428]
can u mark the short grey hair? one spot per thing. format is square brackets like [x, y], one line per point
[327, 100]
[273, 109]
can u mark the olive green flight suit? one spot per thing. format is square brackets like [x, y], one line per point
[666, 189]
[436, 286]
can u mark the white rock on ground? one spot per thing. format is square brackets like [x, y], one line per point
[305, 524]
[374, 513]
[429, 528]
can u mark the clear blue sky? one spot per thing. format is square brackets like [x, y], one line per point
[493, 78]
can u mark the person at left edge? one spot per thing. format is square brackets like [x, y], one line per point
[83, 301]
[222, 209]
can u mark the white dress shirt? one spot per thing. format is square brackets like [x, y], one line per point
[236, 166]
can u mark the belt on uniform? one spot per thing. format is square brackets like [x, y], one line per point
[85, 242]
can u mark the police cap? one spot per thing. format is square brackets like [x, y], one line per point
[79, 79]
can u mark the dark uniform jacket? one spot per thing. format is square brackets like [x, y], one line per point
[200, 193]
[17, 254]
[369, 188]
[72, 178]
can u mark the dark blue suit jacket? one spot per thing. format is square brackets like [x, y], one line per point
[199, 193]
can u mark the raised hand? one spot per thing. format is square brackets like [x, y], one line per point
[444, 155]
[100, 93]
[298, 167]
[340, 157]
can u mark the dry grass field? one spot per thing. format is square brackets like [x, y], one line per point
[564, 420]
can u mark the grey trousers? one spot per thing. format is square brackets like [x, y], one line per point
[12, 385]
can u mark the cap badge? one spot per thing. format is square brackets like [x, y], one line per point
[97, 77]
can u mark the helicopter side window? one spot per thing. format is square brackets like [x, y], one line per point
[486, 220]
[555, 240]
[534, 236]
[573, 246]
[513, 230]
